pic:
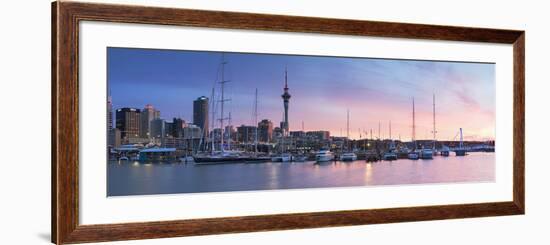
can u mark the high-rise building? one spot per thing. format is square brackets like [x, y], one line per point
[286, 99]
[177, 127]
[128, 122]
[168, 129]
[246, 134]
[157, 129]
[147, 115]
[200, 114]
[265, 131]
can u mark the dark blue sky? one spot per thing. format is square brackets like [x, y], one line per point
[322, 88]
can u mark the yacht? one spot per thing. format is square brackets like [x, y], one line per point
[219, 158]
[348, 157]
[324, 155]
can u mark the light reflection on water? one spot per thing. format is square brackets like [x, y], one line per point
[140, 179]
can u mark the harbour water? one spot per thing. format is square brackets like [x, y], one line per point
[133, 178]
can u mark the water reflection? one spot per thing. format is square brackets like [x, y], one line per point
[131, 178]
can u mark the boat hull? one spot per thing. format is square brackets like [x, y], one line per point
[413, 156]
[327, 158]
[389, 157]
[460, 153]
[218, 160]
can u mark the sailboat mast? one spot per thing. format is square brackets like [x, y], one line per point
[434, 131]
[347, 126]
[256, 121]
[379, 130]
[461, 139]
[212, 107]
[229, 132]
[222, 82]
[390, 129]
[414, 128]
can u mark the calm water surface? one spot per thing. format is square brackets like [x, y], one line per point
[141, 179]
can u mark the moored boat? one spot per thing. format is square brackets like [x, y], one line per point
[299, 158]
[390, 156]
[324, 155]
[444, 151]
[372, 156]
[348, 157]
[283, 157]
[426, 153]
[413, 155]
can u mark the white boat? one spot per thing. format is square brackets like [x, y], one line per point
[348, 156]
[324, 156]
[426, 153]
[284, 157]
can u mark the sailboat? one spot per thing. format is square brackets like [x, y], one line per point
[255, 157]
[414, 154]
[460, 151]
[221, 156]
[391, 154]
[348, 155]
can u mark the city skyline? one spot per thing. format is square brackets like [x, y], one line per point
[373, 90]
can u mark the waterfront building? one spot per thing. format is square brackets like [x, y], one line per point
[286, 98]
[147, 115]
[177, 127]
[157, 128]
[265, 131]
[172, 142]
[168, 129]
[319, 135]
[191, 131]
[246, 134]
[128, 122]
[298, 134]
[200, 114]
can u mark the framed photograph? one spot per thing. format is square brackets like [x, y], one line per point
[175, 122]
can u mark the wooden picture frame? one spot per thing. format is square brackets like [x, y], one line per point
[65, 121]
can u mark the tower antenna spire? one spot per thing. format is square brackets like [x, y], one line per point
[286, 78]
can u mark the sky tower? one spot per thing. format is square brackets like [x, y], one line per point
[286, 99]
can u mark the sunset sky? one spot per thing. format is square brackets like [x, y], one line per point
[322, 90]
